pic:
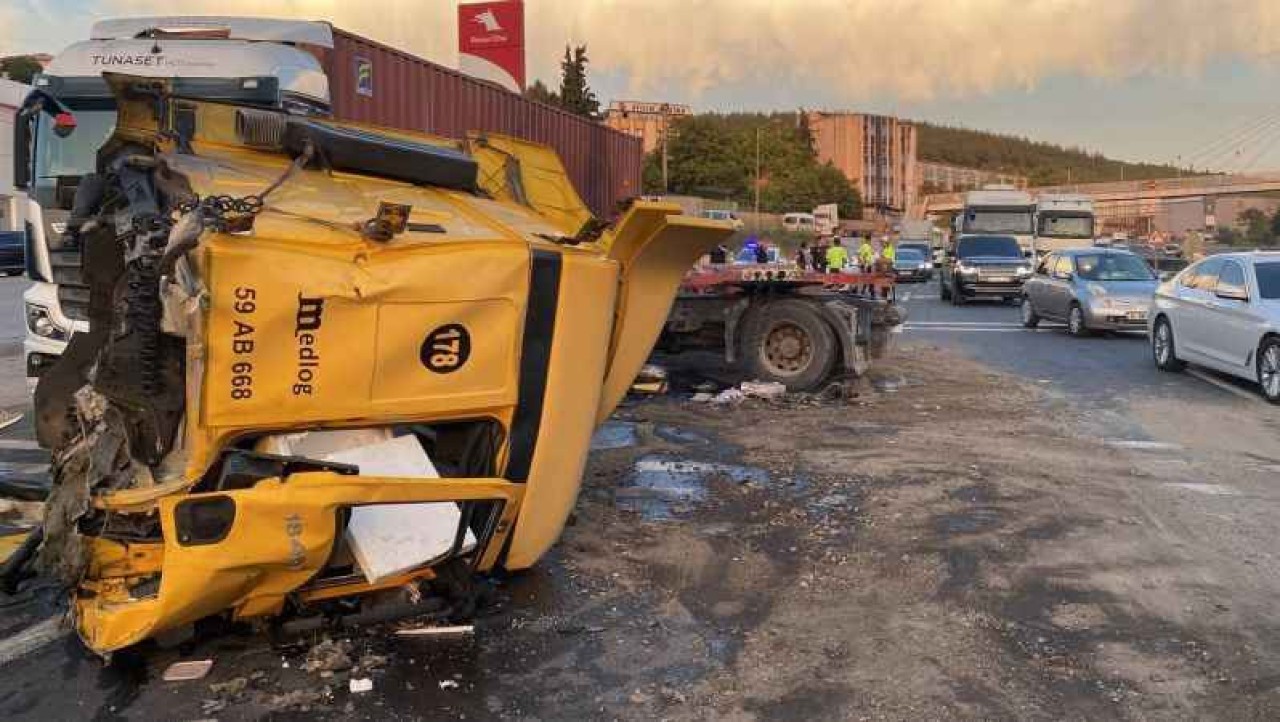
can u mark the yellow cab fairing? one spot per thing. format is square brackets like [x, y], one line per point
[338, 325]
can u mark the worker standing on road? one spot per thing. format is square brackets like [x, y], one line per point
[802, 257]
[837, 256]
[866, 255]
[889, 253]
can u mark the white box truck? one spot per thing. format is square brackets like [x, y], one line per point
[1063, 220]
[998, 211]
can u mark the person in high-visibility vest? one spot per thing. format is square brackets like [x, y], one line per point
[890, 252]
[837, 256]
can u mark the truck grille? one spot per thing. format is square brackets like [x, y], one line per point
[997, 271]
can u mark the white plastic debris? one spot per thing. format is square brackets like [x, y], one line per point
[763, 389]
[458, 631]
[360, 685]
[189, 670]
[448, 684]
[728, 396]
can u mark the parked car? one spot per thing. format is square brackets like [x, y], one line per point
[909, 265]
[984, 266]
[1090, 289]
[12, 252]
[1224, 313]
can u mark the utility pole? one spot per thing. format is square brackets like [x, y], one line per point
[758, 179]
[666, 133]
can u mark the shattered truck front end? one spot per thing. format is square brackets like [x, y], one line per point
[331, 373]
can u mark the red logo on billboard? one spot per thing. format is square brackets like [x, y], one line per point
[491, 41]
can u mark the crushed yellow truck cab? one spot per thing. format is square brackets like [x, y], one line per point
[332, 372]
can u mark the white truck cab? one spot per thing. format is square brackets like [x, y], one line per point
[998, 210]
[70, 112]
[1063, 221]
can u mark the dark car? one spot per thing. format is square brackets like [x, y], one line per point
[910, 265]
[925, 251]
[12, 252]
[984, 266]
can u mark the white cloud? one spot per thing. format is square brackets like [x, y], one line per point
[911, 50]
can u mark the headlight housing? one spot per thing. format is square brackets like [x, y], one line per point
[1024, 271]
[40, 323]
[928, 266]
[965, 270]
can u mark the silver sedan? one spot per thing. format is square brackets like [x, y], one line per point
[1090, 289]
[1223, 313]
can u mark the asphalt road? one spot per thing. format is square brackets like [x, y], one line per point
[12, 324]
[1105, 371]
[1193, 547]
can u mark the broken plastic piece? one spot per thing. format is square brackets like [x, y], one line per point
[187, 671]
[454, 631]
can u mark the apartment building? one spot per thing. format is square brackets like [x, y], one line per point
[876, 152]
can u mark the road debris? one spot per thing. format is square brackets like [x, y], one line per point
[454, 631]
[768, 390]
[329, 656]
[188, 670]
[448, 684]
[360, 686]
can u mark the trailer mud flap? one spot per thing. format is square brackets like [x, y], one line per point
[655, 247]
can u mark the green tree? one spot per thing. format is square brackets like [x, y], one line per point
[714, 155]
[541, 93]
[576, 95]
[1257, 227]
[20, 68]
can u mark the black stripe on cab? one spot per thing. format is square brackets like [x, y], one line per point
[535, 359]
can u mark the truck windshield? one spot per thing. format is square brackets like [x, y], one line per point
[988, 246]
[977, 220]
[1066, 227]
[1112, 267]
[76, 154]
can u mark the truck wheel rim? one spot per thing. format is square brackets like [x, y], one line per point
[1162, 343]
[1271, 371]
[787, 349]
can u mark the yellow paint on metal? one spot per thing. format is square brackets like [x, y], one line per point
[305, 324]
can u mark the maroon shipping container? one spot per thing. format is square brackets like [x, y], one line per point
[373, 83]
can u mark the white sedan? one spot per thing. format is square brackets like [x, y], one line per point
[1224, 313]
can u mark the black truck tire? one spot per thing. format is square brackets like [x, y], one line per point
[788, 341]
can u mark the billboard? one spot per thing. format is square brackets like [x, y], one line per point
[491, 42]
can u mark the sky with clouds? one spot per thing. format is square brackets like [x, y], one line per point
[1136, 79]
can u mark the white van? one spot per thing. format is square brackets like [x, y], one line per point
[799, 222]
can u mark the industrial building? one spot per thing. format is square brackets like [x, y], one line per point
[647, 121]
[876, 152]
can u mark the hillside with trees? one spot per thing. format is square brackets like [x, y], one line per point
[1042, 163]
[714, 156]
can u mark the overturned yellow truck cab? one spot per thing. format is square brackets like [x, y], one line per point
[332, 372]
